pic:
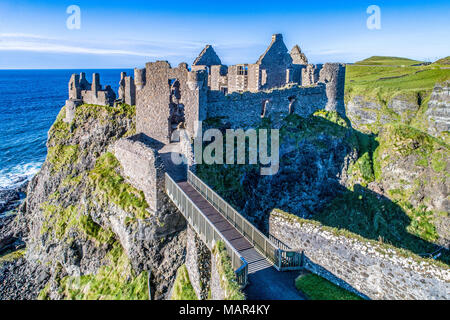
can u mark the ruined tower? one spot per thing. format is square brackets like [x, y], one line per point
[127, 89]
[333, 75]
[168, 97]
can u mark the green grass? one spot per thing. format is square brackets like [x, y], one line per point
[110, 186]
[443, 61]
[60, 222]
[12, 256]
[228, 280]
[182, 288]
[318, 288]
[389, 61]
[394, 78]
[114, 281]
[61, 156]
[383, 83]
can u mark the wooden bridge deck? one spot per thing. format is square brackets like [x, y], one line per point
[256, 261]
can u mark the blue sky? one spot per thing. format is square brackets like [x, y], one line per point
[123, 34]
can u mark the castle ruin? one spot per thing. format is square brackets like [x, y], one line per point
[279, 83]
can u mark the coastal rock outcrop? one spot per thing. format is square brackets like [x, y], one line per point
[85, 228]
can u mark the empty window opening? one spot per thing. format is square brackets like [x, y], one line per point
[265, 104]
[292, 101]
[224, 90]
[242, 70]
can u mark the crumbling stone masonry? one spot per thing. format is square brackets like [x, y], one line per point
[167, 98]
[127, 89]
[142, 166]
[366, 268]
[198, 263]
[81, 91]
[170, 96]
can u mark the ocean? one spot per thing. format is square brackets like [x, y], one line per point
[30, 100]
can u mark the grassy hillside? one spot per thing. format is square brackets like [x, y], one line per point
[385, 82]
[443, 61]
[388, 61]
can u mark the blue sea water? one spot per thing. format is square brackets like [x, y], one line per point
[30, 100]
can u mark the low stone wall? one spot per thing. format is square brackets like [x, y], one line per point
[366, 267]
[198, 259]
[244, 110]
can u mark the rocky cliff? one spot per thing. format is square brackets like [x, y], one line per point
[315, 156]
[88, 233]
[391, 187]
[410, 156]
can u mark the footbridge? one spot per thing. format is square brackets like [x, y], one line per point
[251, 252]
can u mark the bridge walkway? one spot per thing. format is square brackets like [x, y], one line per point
[255, 260]
[265, 282]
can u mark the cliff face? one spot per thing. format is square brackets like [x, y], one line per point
[369, 115]
[315, 156]
[391, 187]
[88, 233]
[428, 112]
[411, 158]
[412, 168]
[438, 113]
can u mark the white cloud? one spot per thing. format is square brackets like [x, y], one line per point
[37, 43]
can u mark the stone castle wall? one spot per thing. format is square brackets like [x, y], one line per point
[154, 99]
[217, 292]
[198, 264]
[333, 75]
[142, 166]
[310, 74]
[81, 91]
[245, 110]
[364, 267]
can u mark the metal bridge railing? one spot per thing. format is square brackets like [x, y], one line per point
[205, 229]
[282, 259]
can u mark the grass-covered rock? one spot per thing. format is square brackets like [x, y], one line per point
[116, 280]
[413, 168]
[380, 90]
[109, 186]
[182, 288]
[227, 276]
[315, 153]
[86, 226]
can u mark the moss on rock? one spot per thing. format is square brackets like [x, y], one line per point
[182, 288]
[228, 280]
[109, 186]
[114, 281]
